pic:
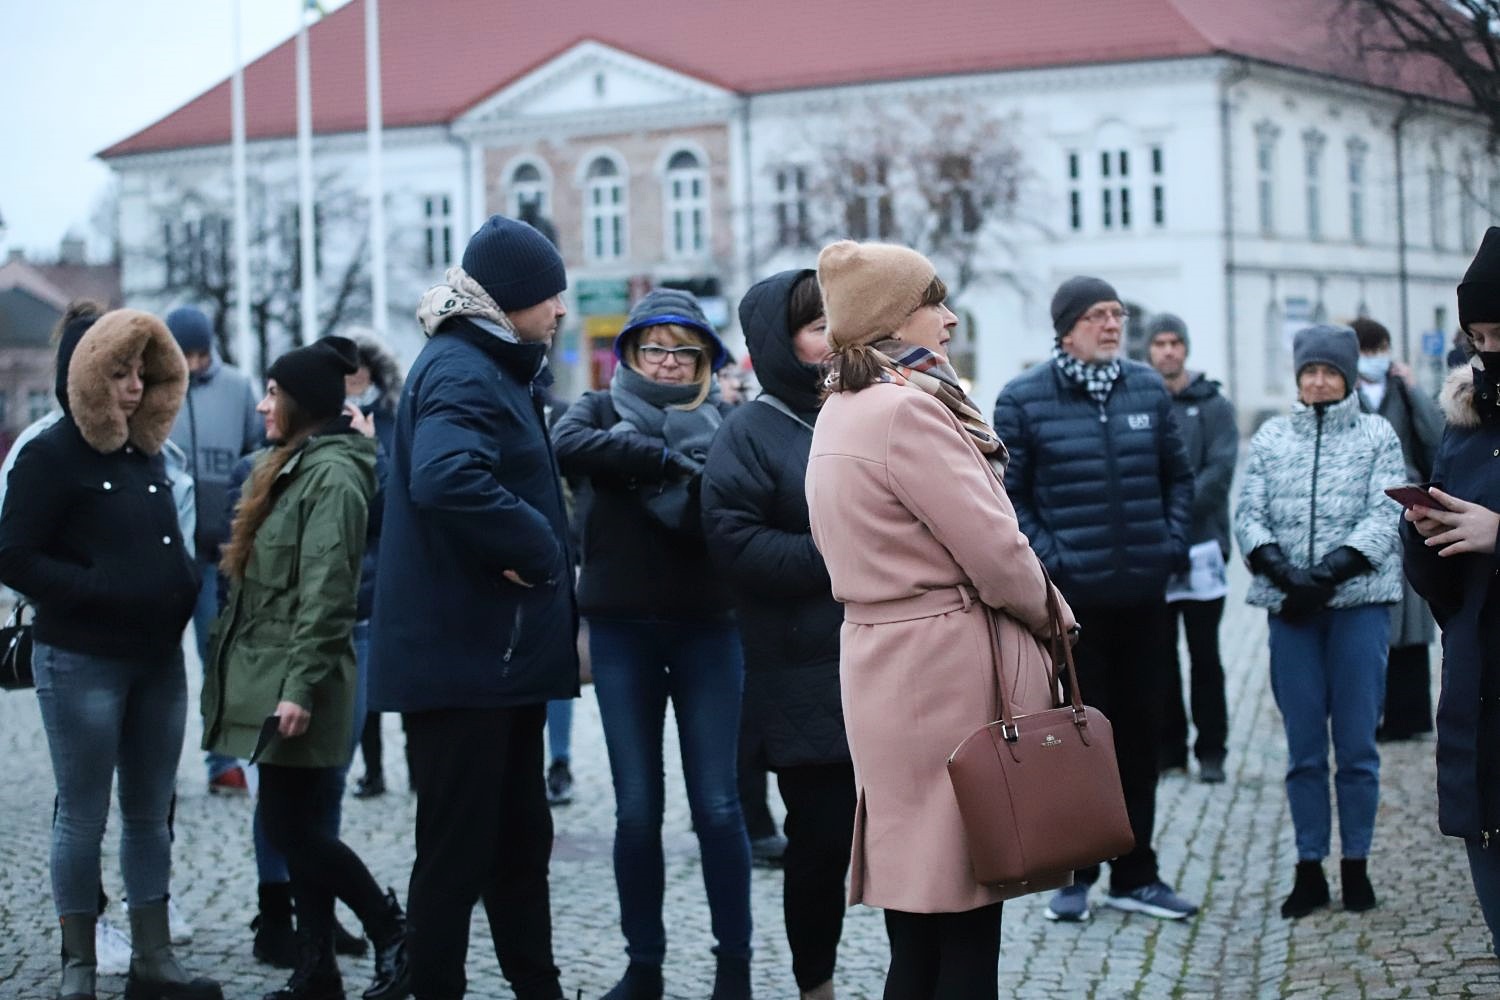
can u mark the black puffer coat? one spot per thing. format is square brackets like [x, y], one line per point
[1104, 493]
[755, 517]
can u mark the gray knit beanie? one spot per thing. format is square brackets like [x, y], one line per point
[1075, 297]
[1329, 345]
[1167, 323]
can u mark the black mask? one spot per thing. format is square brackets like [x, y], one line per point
[1487, 386]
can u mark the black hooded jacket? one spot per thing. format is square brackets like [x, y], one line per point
[755, 518]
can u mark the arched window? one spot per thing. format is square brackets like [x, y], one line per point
[686, 199]
[604, 211]
[529, 193]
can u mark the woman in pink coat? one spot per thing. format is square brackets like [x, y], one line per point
[921, 541]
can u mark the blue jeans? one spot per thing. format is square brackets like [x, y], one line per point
[560, 729]
[638, 665]
[1331, 667]
[1484, 868]
[270, 864]
[204, 613]
[102, 715]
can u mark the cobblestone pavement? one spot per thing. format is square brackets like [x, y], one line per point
[1229, 846]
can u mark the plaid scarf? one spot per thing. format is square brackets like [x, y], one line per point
[1097, 380]
[917, 366]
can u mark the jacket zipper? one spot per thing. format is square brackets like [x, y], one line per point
[515, 637]
[1111, 463]
[1312, 522]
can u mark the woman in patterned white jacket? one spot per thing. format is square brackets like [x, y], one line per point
[1322, 539]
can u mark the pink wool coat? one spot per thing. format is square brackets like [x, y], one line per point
[917, 531]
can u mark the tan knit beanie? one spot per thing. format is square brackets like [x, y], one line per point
[869, 289]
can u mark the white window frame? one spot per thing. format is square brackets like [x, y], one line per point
[437, 230]
[1437, 194]
[1357, 151]
[606, 209]
[685, 205]
[1266, 135]
[789, 207]
[1313, 142]
[537, 190]
[1075, 191]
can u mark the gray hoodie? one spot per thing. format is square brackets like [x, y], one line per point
[216, 426]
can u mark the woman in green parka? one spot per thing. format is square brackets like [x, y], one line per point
[283, 648]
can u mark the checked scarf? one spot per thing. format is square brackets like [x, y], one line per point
[917, 366]
[1096, 379]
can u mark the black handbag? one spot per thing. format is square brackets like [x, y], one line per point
[15, 651]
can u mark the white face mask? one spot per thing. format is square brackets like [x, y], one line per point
[366, 398]
[1373, 368]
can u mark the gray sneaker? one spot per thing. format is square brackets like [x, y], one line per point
[1069, 904]
[1155, 900]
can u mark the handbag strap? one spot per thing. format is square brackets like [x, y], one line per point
[1062, 656]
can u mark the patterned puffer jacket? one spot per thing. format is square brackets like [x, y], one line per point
[1315, 481]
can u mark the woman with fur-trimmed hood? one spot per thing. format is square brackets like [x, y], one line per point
[1450, 560]
[89, 533]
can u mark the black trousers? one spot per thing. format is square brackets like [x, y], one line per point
[1121, 656]
[1206, 679]
[759, 823]
[820, 803]
[484, 832]
[944, 956]
[294, 802]
[1408, 692]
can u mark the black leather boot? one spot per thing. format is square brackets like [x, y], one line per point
[732, 979]
[1354, 881]
[387, 932]
[640, 982]
[316, 976]
[1309, 891]
[79, 967]
[154, 972]
[275, 935]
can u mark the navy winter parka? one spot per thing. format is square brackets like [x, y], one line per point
[1462, 592]
[756, 521]
[1103, 493]
[473, 491]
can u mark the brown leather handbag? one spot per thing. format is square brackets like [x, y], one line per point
[1040, 794]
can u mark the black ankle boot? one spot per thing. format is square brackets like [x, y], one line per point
[1354, 881]
[275, 935]
[387, 932]
[1309, 891]
[316, 975]
[732, 980]
[640, 982]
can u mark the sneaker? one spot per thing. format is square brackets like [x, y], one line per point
[767, 852]
[369, 787]
[1211, 771]
[178, 926]
[1154, 900]
[1069, 904]
[559, 783]
[111, 948]
[230, 782]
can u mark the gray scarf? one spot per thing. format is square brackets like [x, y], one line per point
[655, 409]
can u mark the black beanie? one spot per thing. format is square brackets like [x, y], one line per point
[1479, 292]
[1167, 323]
[1075, 297]
[517, 265]
[672, 305]
[314, 375]
[1329, 345]
[191, 329]
[67, 343]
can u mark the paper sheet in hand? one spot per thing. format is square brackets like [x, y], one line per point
[268, 731]
[1205, 580]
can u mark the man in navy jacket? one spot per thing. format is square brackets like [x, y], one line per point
[1103, 490]
[475, 623]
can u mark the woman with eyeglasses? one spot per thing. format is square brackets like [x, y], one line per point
[660, 626]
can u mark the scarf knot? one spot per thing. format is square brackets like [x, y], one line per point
[1096, 379]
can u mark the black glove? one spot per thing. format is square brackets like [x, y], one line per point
[1305, 593]
[675, 465]
[1343, 563]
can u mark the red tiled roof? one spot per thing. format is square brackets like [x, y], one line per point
[441, 57]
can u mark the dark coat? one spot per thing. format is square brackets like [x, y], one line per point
[755, 517]
[473, 491]
[1104, 493]
[634, 566]
[1205, 419]
[1461, 592]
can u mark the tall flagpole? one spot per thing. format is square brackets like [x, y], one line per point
[306, 216]
[378, 309]
[243, 340]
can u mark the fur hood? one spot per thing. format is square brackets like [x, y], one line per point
[1457, 397]
[117, 337]
[385, 371]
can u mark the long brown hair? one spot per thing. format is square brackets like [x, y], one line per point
[257, 498]
[859, 366]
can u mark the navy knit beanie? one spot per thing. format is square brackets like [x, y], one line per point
[1329, 345]
[1167, 323]
[670, 305]
[517, 265]
[314, 375]
[1075, 297]
[191, 329]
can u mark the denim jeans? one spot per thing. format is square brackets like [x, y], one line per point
[270, 865]
[1331, 667]
[204, 613]
[102, 715]
[638, 665]
[560, 729]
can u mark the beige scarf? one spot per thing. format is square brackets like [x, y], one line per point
[459, 295]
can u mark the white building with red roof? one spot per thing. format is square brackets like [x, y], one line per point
[1241, 165]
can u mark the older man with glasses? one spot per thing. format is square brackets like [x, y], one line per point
[1103, 489]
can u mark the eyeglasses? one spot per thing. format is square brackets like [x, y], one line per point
[1097, 316]
[656, 354]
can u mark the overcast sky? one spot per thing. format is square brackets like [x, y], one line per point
[79, 75]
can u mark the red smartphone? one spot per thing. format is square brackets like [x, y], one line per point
[1415, 496]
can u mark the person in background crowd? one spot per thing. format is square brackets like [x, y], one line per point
[1385, 389]
[1462, 351]
[1450, 558]
[92, 491]
[756, 521]
[216, 428]
[1320, 535]
[475, 622]
[660, 626]
[1205, 418]
[1093, 443]
[923, 550]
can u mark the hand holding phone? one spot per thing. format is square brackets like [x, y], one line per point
[1412, 495]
